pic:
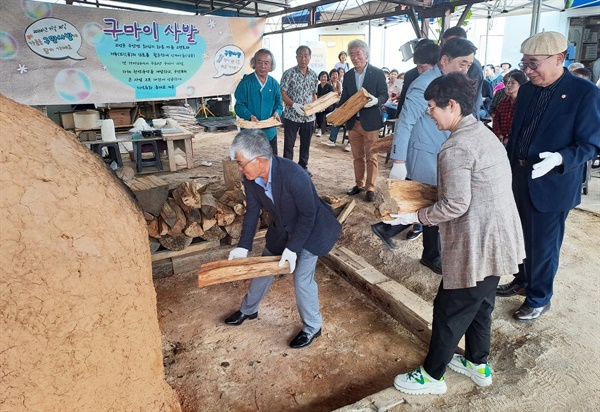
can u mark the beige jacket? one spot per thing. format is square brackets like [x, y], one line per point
[480, 229]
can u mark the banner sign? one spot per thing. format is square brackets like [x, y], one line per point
[61, 54]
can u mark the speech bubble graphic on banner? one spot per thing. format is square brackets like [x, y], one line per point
[229, 60]
[54, 39]
[156, 62]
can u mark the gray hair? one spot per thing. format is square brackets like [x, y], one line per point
[359, 44]
[251, 143]
[263, 51]
[575, 65]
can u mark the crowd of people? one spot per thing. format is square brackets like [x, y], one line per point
[504, 191]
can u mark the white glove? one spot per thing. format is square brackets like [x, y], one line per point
[238, 253]
[298, 108]
[551, 160]
[403, 219]
[373, 101]
[290, 257]
[398, 171]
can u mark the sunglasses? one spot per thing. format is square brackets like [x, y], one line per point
[531, 65]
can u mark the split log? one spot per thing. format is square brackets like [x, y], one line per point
[193, 229]
[235, 228]
[356, 102]
[179, 242]
[214, 233]
[180, 220]
[224, 215]
[168, 214]
[336, 202]
[208, 222]
[346, 211]
[154, 245]
[194, 216]
[232, 197]
[321, 103]
[153, 228]
[261, 124]
[190, 193]
[239, 209]
[150, 191]
[163, 227]
[223, 271]
[149, 217]
[125, 173]
[177, 197]
[406, 196]
[209, 205]
[383, 145]
[231, 174]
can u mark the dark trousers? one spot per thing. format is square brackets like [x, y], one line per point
[273, 143]
[458, 312]
[543, 234]
[290, 130]
[431, 239]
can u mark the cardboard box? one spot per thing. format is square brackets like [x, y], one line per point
[121, 117]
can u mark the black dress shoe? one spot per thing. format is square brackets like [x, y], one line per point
[370, 196]
[413, 234]
[435, 264]
[238, 318]
[354, 191]
[510, 289]
[525, 313]
[379, 230]
[302, 339]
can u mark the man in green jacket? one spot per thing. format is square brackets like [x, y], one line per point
[258, 96]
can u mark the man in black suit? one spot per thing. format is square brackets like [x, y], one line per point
[363, 127]
[303, 227]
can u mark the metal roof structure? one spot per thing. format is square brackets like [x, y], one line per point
[287, 15]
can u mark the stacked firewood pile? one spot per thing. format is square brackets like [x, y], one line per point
[191, 212]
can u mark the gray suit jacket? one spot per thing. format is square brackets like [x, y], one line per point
[480, 229]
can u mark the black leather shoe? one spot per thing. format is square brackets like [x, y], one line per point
[435, 264]
[510, 289]
[370, 196]
[525, 313]
[379, 230]
[354, 191]
[238, 318]
[302, 339]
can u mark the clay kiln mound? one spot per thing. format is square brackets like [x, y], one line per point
[78, 323]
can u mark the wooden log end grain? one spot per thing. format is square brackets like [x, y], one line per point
[405, 196]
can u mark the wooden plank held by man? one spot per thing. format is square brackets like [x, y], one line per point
[261, 124]
[321, 103]
[223, 271]
[356, 102]
[405, 196]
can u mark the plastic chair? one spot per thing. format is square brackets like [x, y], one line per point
[140, 162]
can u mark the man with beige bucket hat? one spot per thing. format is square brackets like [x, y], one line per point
[556, 129]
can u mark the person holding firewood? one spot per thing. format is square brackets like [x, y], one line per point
[303, 227]
[363, 127]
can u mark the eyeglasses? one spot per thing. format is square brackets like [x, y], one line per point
[243, 166]
[532, 65]
[429, 109]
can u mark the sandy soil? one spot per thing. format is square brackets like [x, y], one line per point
[548, 365]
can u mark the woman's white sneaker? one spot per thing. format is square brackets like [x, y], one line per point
[418, 382]
[480, 374]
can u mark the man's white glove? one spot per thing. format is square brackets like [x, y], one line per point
[238, 253]
[403, 219]
[298, 108]
[551, 160]
[372, 102]
[290, 257]
[398, 171]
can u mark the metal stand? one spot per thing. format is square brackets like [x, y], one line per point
[204, 110]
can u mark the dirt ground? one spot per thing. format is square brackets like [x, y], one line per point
[548, 365]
